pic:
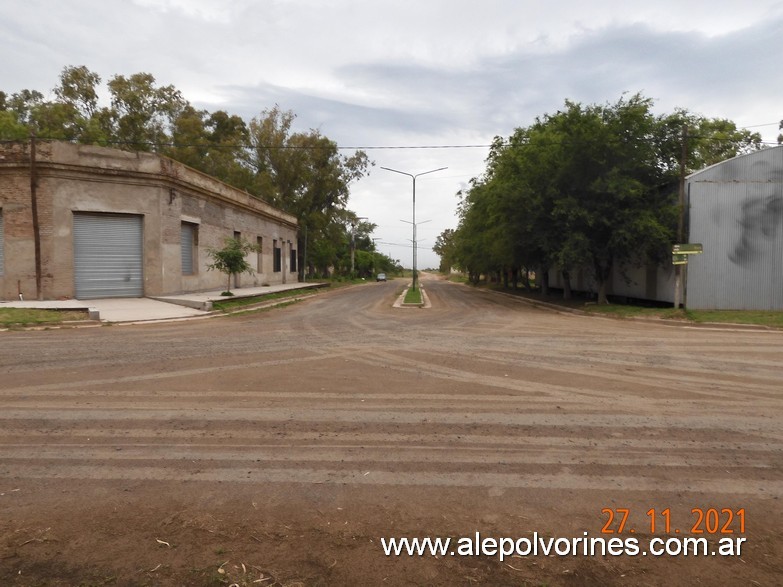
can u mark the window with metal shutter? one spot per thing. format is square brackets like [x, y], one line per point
[187, 240]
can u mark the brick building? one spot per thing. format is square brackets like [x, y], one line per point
[80, 221]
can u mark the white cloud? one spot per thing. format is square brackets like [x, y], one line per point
[408, 72]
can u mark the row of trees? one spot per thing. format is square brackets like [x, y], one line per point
[302, 173]
[589, 187]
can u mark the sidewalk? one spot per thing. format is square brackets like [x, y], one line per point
[176, 307]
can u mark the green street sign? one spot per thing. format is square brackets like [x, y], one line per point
[687, 249]
[679, 259]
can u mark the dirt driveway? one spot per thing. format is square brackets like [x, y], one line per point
[279, 448]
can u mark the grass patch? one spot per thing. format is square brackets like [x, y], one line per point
[761, 317]
[229, 305]
[623, 311]
[757, 317]
[259, 310]
[35, 316]
[413, 296]
[769, 318]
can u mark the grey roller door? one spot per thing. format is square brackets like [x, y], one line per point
[187, 232]
[107, 255]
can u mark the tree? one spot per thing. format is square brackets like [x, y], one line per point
[444, 247]
[10, 128]
[304, 174]
[586, 187]
[231, 259]
[215, 144]
[79, 89]
[141, 113]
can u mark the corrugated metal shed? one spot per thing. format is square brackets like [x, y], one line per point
[736, 212]
[642, 283]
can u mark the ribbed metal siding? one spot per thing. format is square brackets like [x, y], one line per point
[186, 240]
[108, 255]
[736, 212]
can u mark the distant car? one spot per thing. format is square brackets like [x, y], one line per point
[380, 277]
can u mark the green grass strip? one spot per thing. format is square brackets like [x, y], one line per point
[33, 316]
[413, 296]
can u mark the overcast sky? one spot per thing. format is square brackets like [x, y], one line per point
[413, 73]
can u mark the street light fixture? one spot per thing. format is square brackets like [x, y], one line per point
[413, 177]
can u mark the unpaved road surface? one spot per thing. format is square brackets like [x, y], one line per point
[278, 448]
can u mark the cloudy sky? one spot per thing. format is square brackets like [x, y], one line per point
[389, 76]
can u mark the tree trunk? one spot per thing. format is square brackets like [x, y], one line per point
[566, 285]
[505, 278]
[602, 275]
[544, 282]
[228, 289]
[602, 299]
[526, 279]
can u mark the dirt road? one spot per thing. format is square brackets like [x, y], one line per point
[278, 448]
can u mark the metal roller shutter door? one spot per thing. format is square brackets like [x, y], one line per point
[108, 255]
[186, 244]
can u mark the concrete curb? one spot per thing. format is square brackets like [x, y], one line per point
[401, 304]
[94, 315]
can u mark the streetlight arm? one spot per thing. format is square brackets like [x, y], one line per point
[411, 174]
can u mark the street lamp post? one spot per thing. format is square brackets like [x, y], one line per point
[413, 177]
[374, 267]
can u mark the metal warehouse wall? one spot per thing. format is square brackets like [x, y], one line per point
[643, 283]
[736, 212]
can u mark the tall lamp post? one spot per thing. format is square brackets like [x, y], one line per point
[374, 267]
[413, 177]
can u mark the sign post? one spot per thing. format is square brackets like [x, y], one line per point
[680, 253]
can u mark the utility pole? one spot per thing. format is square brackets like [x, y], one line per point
[34, 212]
[678, 269]
[374, 267]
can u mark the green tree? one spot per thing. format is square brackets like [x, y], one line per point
[78, 88]
[10, 127]
[708, 140]
[141, 112]
[585, 187]
[215, 144]
[231, 259]
[444, 248]
[304, 174]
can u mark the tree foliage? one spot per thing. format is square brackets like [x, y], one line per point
[300, 172]
[588, 187]
[304, 174]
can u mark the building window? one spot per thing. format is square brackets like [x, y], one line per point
[2, 264]
[260, 254]
[292, 266]
[277, 257]
[189, 246]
